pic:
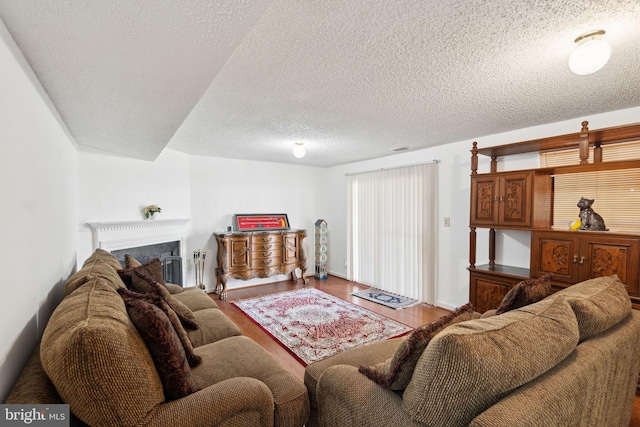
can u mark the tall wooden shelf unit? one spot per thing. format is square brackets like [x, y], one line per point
[523, 200]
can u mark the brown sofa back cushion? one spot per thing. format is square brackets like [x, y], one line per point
[96, 359]
[471, 365]
[597, 303]
[100, 264]
[396, 372]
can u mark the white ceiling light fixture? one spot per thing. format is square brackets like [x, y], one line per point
[591, 53]
[298, 150]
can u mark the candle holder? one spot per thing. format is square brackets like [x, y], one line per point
[199, 257]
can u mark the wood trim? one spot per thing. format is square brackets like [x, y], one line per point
[603, 136]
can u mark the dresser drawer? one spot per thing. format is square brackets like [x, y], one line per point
[258, 253]
[261, 239]
[260, 248]
[266, 262]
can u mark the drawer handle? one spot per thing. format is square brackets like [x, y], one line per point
[265, 247]
[266, 254]
[267, 261]
[575, 259]
[266, 239]
[581, 260]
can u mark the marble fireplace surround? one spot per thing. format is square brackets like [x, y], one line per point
[112, 236]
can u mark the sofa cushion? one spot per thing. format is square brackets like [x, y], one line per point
[165, 347]
[471, 365]
[526, 292]
[87, 349]
[162, 304]
[195, 299]
[149, 271]
[130, 263]
[146, 284]
[100, 264]
[396, 372]
[242, 357]
[221, 327]
[597, 303]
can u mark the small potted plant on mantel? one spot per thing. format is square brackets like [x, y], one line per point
[151, 210]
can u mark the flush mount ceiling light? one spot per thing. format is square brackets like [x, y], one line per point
[298, 150]
[591, 53]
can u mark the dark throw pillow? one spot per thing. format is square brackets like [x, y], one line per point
[396, 372]
[158, 301]
[165, 347]
[126, 273]
[147, 284]
[526, 292]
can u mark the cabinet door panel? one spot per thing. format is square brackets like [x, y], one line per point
[606, 256]
[290, 248]
[484, 204]
[555, 254]
[515, 200]
[489, 295]
[487, 291]
[239, 253]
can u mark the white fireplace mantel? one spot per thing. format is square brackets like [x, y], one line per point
[113, 236]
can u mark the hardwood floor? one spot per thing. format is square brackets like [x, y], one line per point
[413, 316]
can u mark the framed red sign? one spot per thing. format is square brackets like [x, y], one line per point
[257, 222]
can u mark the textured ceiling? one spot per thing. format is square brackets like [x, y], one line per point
[351, 79]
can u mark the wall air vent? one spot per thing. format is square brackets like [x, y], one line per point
[400, 149]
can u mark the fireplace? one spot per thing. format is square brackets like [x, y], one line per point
[146, 240]
[167, 252]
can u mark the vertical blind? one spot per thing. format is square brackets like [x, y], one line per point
[616, 192]
[393, 230]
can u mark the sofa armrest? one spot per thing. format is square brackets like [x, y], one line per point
[346, 397]
[246, 401]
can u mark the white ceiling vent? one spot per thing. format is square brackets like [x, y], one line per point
[400, 149]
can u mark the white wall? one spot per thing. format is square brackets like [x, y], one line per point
[206, 190]
[38, 219]
[113, 188]
[454, 170]
[223, 187]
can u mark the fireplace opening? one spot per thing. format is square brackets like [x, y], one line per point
[168, 253]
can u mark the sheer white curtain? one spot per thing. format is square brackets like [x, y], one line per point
[393, 242]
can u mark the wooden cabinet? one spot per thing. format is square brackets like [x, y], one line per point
[523, 200]
[490, 285]
[575, 256]
[259, 254]
[511, 200]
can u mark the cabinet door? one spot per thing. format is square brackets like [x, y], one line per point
[604, 256]
[487, 292]
[290, 248]
[555, 253]
[484, 200]
[514, 202]
[239, 253]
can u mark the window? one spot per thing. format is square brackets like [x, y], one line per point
[393, 230]
[616, 192]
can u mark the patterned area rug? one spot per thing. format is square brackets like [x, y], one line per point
[314, 325]
[386, 298]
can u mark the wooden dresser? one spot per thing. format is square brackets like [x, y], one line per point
[259, 254]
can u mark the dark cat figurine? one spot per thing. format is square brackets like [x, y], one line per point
[589, 218]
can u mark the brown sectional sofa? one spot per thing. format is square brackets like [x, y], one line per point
[92, 357]
[571, 359]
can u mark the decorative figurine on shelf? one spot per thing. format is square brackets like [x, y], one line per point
[589, 219]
